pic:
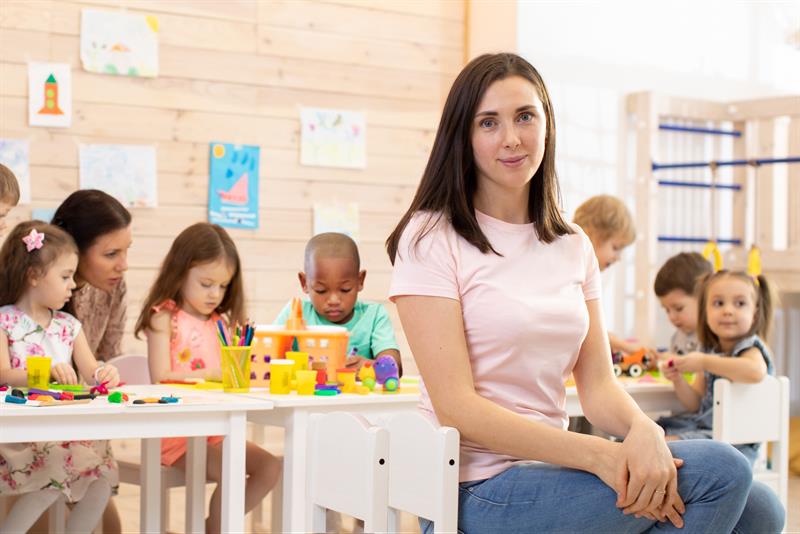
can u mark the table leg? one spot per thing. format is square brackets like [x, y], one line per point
[294, 471]
[233, 474]
[196, 484]
[150, 486]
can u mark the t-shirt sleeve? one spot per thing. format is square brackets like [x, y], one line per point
[591, 281]
[426, 267]
[284, 314]
[382, 331]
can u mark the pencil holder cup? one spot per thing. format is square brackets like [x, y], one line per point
[38, 371]
[280, 377]
[236, 369]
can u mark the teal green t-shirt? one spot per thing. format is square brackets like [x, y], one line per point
[371, 331]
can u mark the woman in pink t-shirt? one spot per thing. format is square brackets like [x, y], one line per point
[500, 301]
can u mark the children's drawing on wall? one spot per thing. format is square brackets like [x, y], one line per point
[43, 214]
[337, 217]
[126, 172]
[333, 138]
[115, 42]
[49, 94]
[233, 185]
[15, 154]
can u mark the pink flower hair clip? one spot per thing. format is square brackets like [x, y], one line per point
[34, 240]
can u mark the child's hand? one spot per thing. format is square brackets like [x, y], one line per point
[354, 362]
[64, 374]
[671, 373]
[107, 373]
[694, 362]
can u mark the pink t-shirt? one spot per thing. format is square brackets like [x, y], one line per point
[525, 315]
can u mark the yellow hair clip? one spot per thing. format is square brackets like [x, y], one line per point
[712, 250]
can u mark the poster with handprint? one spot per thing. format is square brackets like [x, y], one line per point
[233, 185]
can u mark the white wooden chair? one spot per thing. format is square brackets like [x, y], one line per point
[423, 471]
[757, 413]
[347, 470]
[133, 368]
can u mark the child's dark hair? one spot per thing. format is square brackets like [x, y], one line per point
[681, 271]
[88, 214]
[19, 264]
[9, 188]
[198, 244]
[762, 321]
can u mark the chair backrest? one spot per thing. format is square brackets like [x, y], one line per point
[423, 471]
[750, 413]
[755, 413]
[348, 463]
[133, 368]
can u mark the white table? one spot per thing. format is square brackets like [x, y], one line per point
[292, 413]
[201, 415]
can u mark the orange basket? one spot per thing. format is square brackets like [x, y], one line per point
[322, 343]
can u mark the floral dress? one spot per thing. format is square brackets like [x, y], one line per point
[68, 466]
[193, 345]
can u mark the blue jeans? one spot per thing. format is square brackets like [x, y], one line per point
[714, 483]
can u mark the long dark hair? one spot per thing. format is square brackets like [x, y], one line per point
[88, 214]
[449, 182]
[198, 244]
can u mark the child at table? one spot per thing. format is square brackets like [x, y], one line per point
[200, 282]
[734, 317]
[675, 288]
[39, 262]
[332, 278]
[609, 226]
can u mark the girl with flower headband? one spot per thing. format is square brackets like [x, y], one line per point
[734, 318]
[39, 262]
[200, 282]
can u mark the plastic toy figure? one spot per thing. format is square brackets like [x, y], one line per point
[633, 364]
[385, 367]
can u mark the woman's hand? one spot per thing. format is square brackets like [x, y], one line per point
[64, 374]
[647, 475]
[107, 373]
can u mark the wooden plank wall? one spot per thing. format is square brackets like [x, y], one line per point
[239, 71]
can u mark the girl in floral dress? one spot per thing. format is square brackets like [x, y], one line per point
[39, 261]
[200, 283]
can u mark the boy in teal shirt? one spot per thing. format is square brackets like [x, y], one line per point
[332, 278]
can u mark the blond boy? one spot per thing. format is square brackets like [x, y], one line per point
[609, 225]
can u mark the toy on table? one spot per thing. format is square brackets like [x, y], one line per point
[387, 374]
[100, 389]
[366, 371]
[321, 343]
[633, 364]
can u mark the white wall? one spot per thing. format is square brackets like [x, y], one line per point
[592, 54]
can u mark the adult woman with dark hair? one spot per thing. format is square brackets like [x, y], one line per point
[101, 227]
[499, 300]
